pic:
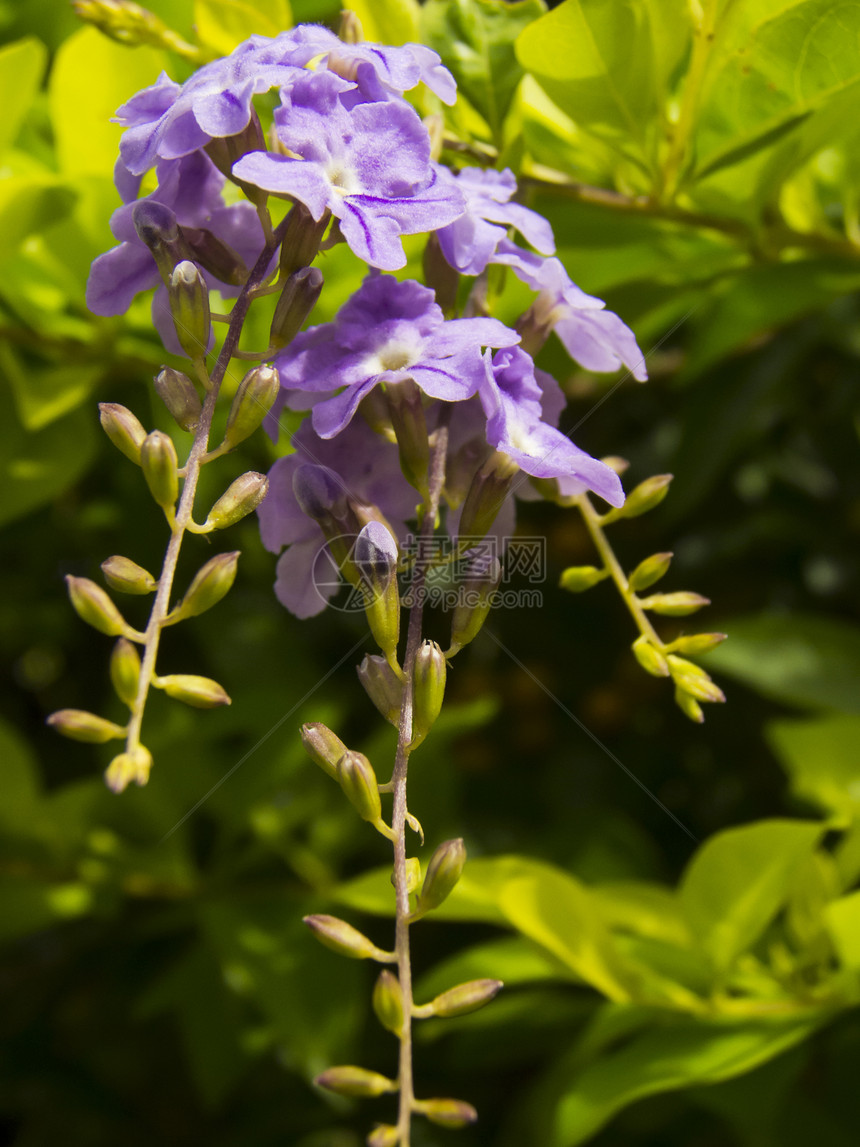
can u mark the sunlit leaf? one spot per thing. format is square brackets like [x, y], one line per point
[822, 761]
[388, 21]
[222, 24]
[21, 67]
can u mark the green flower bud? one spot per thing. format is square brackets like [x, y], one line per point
[189, 305]
[296, 301]
[383, 1134]
[486, 494]
[693, 680]
[323, 746]
[239, 499]
[129, 767]
[349, 28]
[453, 1113]
[689, 706]
[252, 402]
[413, 871]
[159, 464]
[649, 657]
[382, 685]
[406, 412]
[375, 558]
[211, 582]
[177, 392]
[224, 151]
[78, 725]
[674, 604]
[475, 602]
[444, 870]
[302, 238]
[158, 229]
[429, 673]
[642, 498]
[358, 781]
[355, 1081]
[200, 692]
[346, 940]
[388, 1002]
[125, 576]
[577, 579]
[440, 275]
[92, 605]
[697, 643]
[123, 429]
[125, 671]
[465, 998]
[649, 571]
[221, 261]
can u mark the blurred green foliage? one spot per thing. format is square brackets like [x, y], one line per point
[160, 987]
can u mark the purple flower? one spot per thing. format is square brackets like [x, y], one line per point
[594, 337]
[512, 401]
[470, 241]
[369, 165]
[387, 332]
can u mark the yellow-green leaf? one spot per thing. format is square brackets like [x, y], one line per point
[222, 24]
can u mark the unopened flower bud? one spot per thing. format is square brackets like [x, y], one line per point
[323, 746]
[224, 151]
[302, 238]
[358, 781]
[125, 576]
[321, 495]
[674, 604]
[160, 465]
[297, 300]
[238, 500]
[577, 579]
[444, 870]
[209, 252]
[649, 657]
[534, 327]
[388, 1002]
[643, 498]
[349, 28]
[697, 643]
[429, 673]
[413, 872]
[475, 601]
[189, 305]
[440, 275]
[406, 412]
[92, 605]
[465, 998]
[252, 402]
[486, 494]
[346, 940]
[78, 725]
[382, 685]
[649, 571]
[689, 706]
[123, 429]
[177, 392]
[125, 671]
[128, 768]
[211, 582]
[452, 1113]
[375, 558]
[200, 692]
[355, 1081]
[156, 227]
[693, 680]
[129, 24]
[383, 1134]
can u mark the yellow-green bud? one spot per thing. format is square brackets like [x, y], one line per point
[92, 605]
[642, 498]
[375, 558]
[211, 582]
[189, 305]
[486, 494]
[297, 300]
[238, 500]
[388, 1002]
[252, 402]
[177, 392]
[355, 1081]
[221, 261]
[358, 781]
[123, 429]
[697, 643]
[323, 746]
[674, 604]
[429, 673]
[382, 685]
[125, 671]
[649, 657]
[577, 579]
[383, 1134]
[350, 31]
[438, 272]
[159, 464]
[200, 692]
[78, 725]
[649, 571]
[346, 940]
[406, 412]
[693, 680]
[465, 998]
[126, 576]
[444, 870]
[474, 602]
[452, 1113]
[413, 872]
[689, 706]
[302, 238]
[128, 768]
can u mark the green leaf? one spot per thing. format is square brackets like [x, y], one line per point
[738, 880]
[222, 24]
[43, 394]
[28, 205]
[21, 68]
[475, 39]
[388, 21]
[515, 961]
[801, 659]
[28, 904]
[843, 922]
[822, 761]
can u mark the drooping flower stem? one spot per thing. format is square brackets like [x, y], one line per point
[401, 764]
[191, 471]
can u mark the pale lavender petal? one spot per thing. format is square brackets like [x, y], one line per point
[278, 173]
